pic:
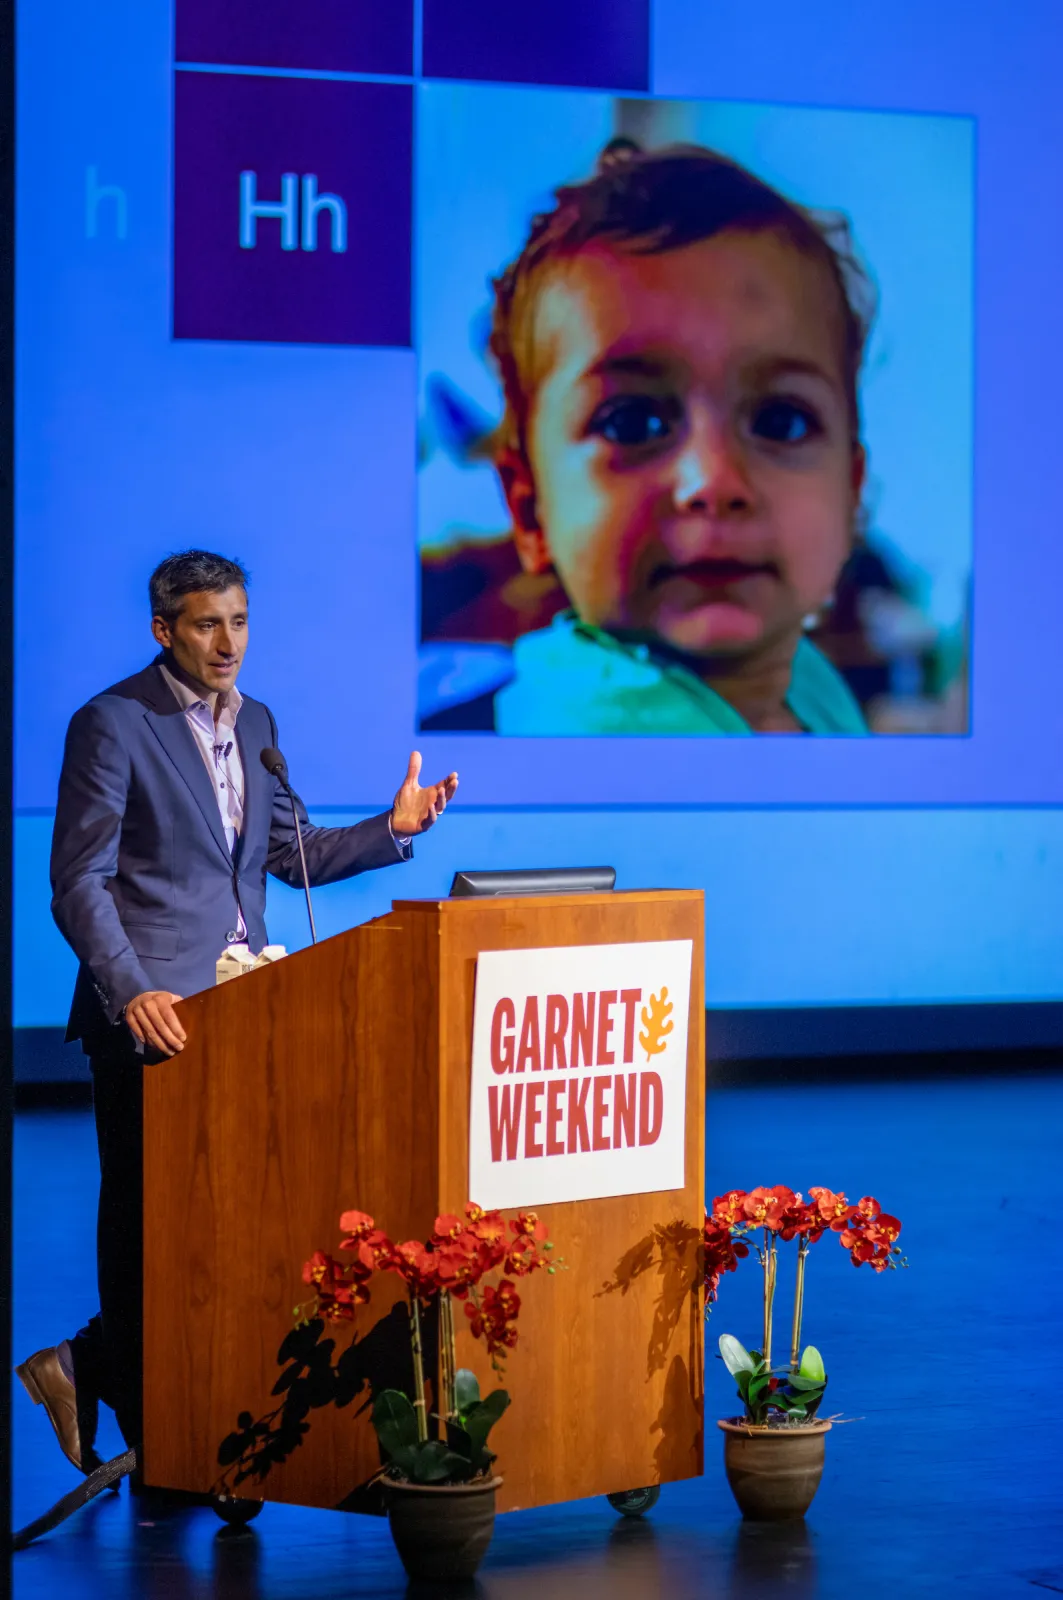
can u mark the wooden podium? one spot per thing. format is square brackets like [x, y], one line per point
[339, 1078]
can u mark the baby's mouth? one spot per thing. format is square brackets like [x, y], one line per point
[714, 574]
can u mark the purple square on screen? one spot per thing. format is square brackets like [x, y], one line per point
[593, 44]
[322, 35]
[292, 202]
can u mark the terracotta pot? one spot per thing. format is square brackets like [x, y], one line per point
[441, 1531]
[773, 1472]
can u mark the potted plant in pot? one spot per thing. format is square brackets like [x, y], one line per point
[774, 1453]
[438, 1477]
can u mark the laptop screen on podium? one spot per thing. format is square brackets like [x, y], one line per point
[535, 880]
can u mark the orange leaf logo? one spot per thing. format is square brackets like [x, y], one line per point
[655, 1022]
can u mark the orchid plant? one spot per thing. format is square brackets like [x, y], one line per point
[760, 1219]
[453, 1264]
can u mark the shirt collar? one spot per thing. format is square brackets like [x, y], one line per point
[230, 699]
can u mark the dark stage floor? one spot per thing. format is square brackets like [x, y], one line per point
[947, 1482]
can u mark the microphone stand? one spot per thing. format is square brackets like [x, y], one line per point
[302, 863]
[277, 768]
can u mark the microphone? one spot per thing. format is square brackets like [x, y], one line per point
[277, 767]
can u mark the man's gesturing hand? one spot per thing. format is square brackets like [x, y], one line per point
[154, 1021]
[416, 809]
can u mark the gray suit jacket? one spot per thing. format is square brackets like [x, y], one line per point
[144, 888]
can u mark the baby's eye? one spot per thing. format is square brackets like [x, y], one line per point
[785, 422]
[635, 419]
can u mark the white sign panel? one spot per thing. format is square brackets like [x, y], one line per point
[579, 1065]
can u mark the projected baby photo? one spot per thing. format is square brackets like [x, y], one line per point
[695, 417]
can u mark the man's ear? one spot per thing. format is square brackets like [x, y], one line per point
[518, 486]
[161, 632]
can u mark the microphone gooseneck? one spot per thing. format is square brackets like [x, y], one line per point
[277, 767]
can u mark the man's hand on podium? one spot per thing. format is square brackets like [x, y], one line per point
[153, 1019]
[416, 809]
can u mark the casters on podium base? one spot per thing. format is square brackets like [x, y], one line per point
[235, 1511]
[635, 1502]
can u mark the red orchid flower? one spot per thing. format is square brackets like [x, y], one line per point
[721, 1251]
[765, 1207]
[447, 1227]
[884, 1229]
[357, 1224]
[834, 1209]
[415, 1265]
[729, 1209]
[796, 1217]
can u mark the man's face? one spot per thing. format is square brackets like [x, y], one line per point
[691, 473]
[208, 638]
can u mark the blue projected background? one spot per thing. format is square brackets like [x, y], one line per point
[175, 388]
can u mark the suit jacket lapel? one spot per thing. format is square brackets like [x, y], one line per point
[167, 722]
[255, 776]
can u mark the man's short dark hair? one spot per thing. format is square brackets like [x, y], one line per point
[191, 572]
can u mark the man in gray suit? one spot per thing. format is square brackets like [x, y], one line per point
[166, 825]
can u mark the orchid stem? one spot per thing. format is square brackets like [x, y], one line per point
[799, 1304]
[447, 1356]
[770, 1265]
[420, 1409]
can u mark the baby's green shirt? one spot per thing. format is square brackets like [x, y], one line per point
[575, 679]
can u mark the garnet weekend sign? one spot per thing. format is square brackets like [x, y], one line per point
[579, 1062]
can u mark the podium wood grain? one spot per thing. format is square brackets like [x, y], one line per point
[339, 1078]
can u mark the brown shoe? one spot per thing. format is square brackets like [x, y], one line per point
[47, 1385]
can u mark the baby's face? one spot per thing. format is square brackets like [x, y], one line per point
[692, 472]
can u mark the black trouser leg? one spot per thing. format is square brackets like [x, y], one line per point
[107, 1352]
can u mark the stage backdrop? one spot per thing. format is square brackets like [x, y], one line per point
[258, 256]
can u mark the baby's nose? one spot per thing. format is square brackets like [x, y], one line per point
[711, 475]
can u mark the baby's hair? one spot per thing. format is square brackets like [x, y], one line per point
[649, 201]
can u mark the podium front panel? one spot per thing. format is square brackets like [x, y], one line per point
[339, 1078]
